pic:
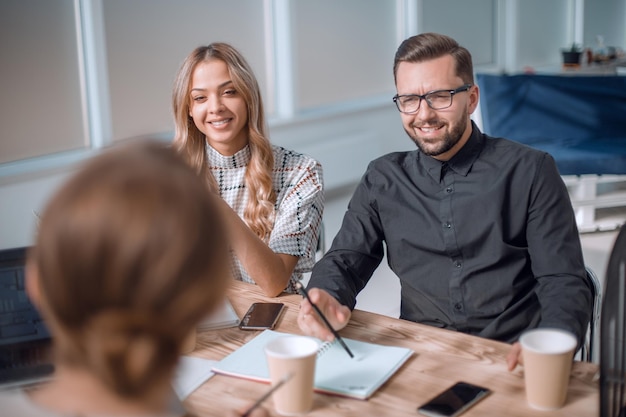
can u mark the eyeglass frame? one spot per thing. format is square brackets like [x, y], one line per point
[464, 87]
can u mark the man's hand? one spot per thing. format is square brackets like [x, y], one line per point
[309, 321]
[257, 412]
[514, 356]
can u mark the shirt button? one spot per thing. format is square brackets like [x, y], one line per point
[457, 264]
[447, 225]
[458, 307]
[449, 190]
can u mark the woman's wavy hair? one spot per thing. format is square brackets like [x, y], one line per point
[190, 142]
[130, 258]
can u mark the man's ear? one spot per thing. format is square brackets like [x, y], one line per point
[33, 287]
[474, 94]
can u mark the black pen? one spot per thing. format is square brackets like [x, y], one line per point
[319, 312]
[266, 395]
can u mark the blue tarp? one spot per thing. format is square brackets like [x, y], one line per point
[579, 120]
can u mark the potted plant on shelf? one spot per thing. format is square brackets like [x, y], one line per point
[571, 56]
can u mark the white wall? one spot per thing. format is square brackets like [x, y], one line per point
[324, 68]
[19, 199]
[344, 144]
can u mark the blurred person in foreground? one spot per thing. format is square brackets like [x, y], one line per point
[128, 258]
[480, 230]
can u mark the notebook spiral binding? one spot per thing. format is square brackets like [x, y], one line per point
[324, 347]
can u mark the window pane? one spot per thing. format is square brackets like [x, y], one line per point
[606, 18]
[470, 23]
[534, 47]
[343, 50]
[146, 42]
[40, 100]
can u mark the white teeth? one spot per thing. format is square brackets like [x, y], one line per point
[221, 122]
[428, 129]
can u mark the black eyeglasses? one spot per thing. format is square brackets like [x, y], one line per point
[437, 100]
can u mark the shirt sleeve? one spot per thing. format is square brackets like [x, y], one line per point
[556, 255]
[357, 249]
[299, 212]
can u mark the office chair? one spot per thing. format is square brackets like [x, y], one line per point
[589, 346]
[612, 333]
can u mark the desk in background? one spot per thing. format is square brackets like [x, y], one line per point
[608, 68]
[441, 358]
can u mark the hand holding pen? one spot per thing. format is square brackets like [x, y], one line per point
[320, 314]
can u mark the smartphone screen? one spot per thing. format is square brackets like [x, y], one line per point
[261, 316]
[454, 400]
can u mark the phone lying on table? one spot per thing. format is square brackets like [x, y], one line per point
[261, 316]
[454, 400]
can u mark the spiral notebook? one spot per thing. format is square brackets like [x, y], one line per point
[335, 372]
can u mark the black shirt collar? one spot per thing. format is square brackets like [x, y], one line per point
[461, 163]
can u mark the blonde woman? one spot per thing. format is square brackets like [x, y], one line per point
[271, 197]
[128, 259]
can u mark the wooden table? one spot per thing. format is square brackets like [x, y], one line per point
[441, 358]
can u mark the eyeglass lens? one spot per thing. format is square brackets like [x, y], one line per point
[436, 100]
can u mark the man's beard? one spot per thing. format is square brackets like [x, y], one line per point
[449, 139]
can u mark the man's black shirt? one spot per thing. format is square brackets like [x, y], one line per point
[485, 243]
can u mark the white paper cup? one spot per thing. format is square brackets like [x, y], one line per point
[293, 355]
[548, 356]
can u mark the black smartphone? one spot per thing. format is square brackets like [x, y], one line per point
[261, 316]
[454, 400]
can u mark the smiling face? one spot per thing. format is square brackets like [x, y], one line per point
[438, 133]
[217, 109]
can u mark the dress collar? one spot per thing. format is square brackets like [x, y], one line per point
[238, 160]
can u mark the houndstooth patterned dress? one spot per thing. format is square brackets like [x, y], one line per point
[299, 206]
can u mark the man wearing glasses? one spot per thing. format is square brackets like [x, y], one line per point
[480, 230]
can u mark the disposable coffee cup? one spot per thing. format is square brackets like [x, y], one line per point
[294, 356]
[548, 356]
[189, 344]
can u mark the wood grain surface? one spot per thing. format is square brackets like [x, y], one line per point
[441, 358]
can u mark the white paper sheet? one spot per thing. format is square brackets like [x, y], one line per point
[190, 374]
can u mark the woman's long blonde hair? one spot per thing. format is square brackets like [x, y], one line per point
[190, 142]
